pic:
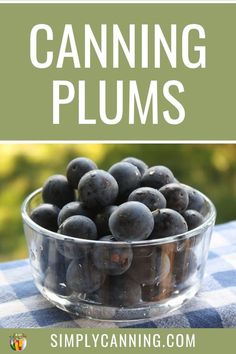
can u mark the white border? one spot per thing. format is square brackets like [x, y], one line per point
[117, 2]
[80, 142]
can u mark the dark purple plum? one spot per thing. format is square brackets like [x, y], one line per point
[185, 265]
[111, 258]
[55, 275]
[127, 176]
[168, 222]
[79, 226]
[46, 215]
[102, 218]
[157, 176]
[73, 208]
[196, 200]
[149, 269]
[176, 196]
[43, 254]
[141, 165]
[131, 221]
[98, 189]
[71, 249]
[193, 218]
[84, 277]
[77, 168]
[123, 291]
[151, 197]
[57, 191]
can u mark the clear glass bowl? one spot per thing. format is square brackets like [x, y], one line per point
[163, 275]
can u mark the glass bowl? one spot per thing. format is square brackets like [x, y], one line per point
[163, 275]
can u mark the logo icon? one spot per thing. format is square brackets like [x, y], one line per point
[18, 342]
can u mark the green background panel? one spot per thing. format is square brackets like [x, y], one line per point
[26, 92]
[206, 340]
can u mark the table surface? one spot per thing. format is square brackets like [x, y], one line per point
[21, 304]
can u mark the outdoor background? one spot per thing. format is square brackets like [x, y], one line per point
[23, 168]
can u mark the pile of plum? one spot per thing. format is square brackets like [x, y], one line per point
[130, 202]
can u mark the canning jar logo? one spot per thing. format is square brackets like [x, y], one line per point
[18, 342]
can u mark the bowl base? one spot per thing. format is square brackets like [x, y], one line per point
[141, 313]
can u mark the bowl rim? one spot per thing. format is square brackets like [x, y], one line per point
[165, 240]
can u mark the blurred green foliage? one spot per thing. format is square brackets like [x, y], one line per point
[23, 168]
